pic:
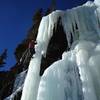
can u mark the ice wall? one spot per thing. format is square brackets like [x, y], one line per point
[83, 22]
[75, 76]
[97, 2]
[61, 80]
[32, 80]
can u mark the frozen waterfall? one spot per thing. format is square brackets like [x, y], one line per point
[77, 75]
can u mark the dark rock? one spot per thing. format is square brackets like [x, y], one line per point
[57, 45]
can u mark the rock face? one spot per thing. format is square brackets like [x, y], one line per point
[6, 84]
[8, 80]
[18, 86]
[11, 80]
[57, 45]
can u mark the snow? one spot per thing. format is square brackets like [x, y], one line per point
[76, 75]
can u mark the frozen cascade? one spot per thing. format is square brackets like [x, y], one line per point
[61, 80]
[97, 2]
[76, 75]
[32, 80]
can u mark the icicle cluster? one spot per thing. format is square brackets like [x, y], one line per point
[76, 75]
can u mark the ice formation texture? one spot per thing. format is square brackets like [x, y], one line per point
[77, 75]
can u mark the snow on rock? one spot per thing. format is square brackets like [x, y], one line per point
[19, 81]
[14, 94]
[18, 85]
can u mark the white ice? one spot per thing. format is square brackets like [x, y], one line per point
[97, 2]
[30, 88]
[76, 75]
[60, 81]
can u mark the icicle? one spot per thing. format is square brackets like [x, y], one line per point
[61, 80]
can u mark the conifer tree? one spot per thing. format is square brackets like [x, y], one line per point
[51, 8]
[32, 34]
[3, 57]
[53, 5]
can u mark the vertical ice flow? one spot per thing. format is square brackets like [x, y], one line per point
[76, 75]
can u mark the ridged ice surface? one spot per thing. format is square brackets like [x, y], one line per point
[77, 75]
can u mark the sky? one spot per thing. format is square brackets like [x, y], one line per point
[16, 19]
